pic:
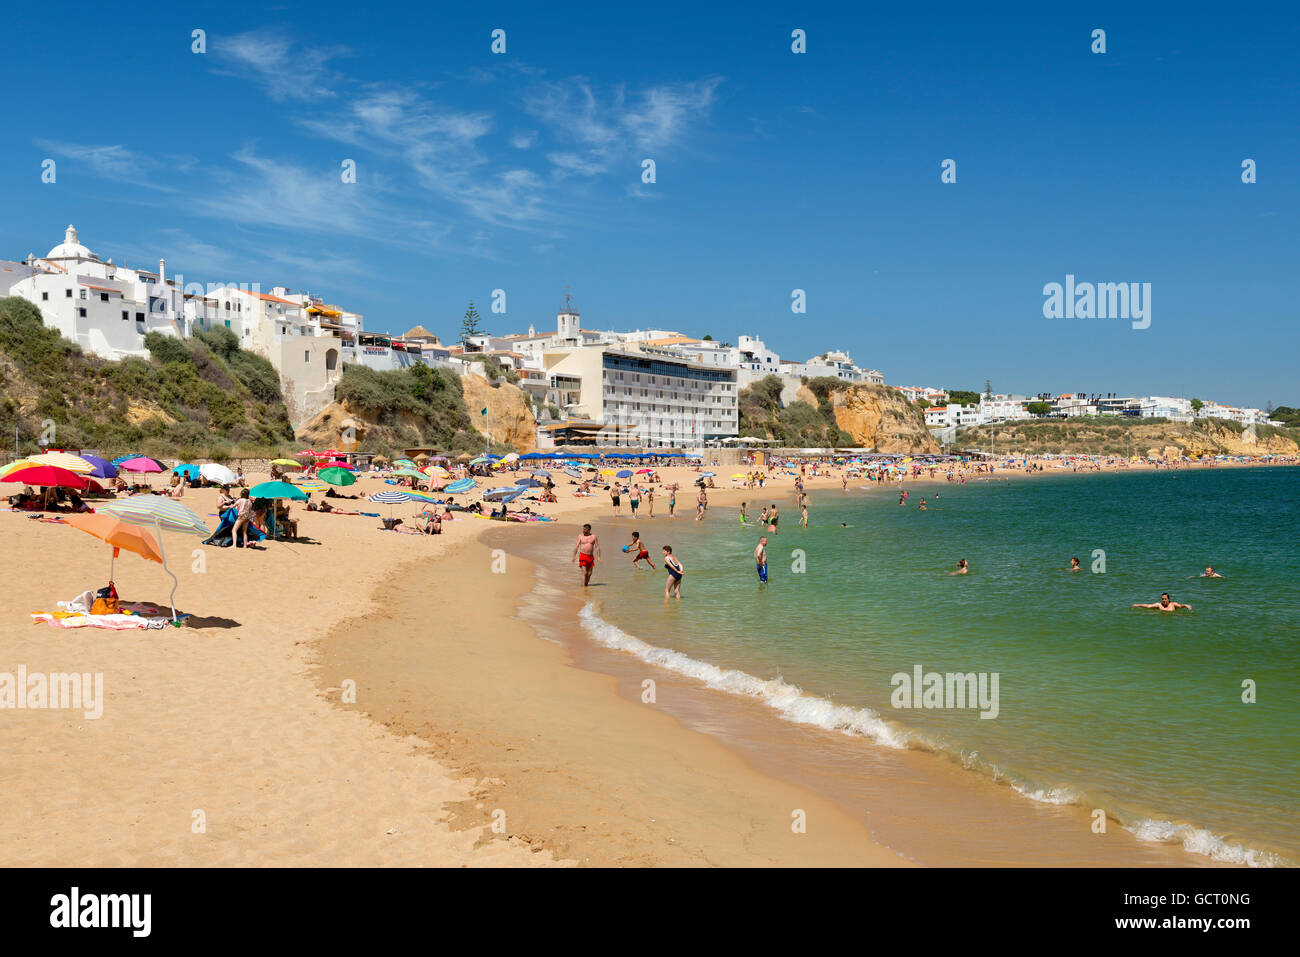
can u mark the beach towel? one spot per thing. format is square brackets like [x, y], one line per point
[111, 622]
[79, 605]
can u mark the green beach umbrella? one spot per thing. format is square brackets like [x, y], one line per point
[337, 476]
[409, 473]
[277, 490]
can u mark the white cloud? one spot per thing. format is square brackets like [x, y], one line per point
[288, 72]
[116, 162]
[524, 140]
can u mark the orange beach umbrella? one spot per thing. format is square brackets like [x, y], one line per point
[117, 533]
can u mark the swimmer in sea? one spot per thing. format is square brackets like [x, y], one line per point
[586, 552]
[760, 559]
[1164, 604]
[962, 568]
[637, 547]
[1210, 572]
[921, 507]
[675, 571]
[1074, 565]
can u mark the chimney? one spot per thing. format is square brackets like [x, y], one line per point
[162, 271]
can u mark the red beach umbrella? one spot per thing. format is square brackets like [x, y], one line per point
[46, 475]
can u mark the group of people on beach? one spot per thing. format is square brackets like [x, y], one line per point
[586, 552]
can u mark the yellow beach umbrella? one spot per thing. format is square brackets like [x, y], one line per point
[64, 460]
[608, 472]
[15, 466]
[287, 463]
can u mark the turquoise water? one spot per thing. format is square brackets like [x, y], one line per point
[1138, 712]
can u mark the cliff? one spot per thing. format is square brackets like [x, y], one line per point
[877, 417]
[1130, 437]
[390, 411]
[510, 414]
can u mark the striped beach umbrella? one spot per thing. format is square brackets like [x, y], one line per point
[160, 514]
[311, 485]
[464, 485]
[64, 460]
[389, 497]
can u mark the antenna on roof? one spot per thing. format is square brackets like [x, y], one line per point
[568, 301]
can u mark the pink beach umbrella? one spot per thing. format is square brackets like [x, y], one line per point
[141, 463]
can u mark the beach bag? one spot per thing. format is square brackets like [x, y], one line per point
[105, 601]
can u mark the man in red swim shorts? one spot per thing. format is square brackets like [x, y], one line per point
[586, 552]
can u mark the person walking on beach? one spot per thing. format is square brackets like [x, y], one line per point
[613, 497]
[586, 552]
[638, 549]
[649, 503]
[675, 570]
[762, 518]
[1164, 604]
[760, 558]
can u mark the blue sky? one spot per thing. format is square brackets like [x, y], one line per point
[775, 171]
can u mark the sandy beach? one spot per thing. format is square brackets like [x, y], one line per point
[470, 742]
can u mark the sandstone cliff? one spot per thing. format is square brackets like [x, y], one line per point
[878, 418]
[509, 412]
[1130, 437]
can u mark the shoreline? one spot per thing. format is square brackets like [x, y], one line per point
[491, 759]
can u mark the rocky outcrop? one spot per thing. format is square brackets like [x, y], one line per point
[1128, 437]
[509, 412]
[878, 418]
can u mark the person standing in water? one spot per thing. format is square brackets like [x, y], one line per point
[1074, 565]
[675, 571]
[772, 519]
[803, 516]
[672, 501]
[586, 552]
[1164, 604]
[743, 517]
[962, 568]
[760, 559]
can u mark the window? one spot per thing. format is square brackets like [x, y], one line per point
[45, 296]
[82, 312]
[126, 314]
[103, 297]
[139, 317]
[227, 321]
[83, 294]
[67, 293]
[306, 355]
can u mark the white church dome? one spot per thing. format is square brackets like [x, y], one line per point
[70, 248]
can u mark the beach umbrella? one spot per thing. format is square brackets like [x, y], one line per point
[464, 485]
[311, 485]
[405, 463]
[278, 490]
[511, 457]
[103, 467]
[644, 471]
[529, 483]
[15, 466]
[541, 472]
[45, 475]
[190, 472]
[141, 463]
[623, 473]
[306, 454]
[480, 460]
[219, 474]
[709, 474]
[608, 472]
[63, 460]
[436, 470]
[117, 533]
[408, 473]
[573, 473]
[504, 494]
[122, 458]
[333, 452]
[390, 498]
[287, 463]
[336, 464]
[419, 496]
[159, 513]
[337, 476]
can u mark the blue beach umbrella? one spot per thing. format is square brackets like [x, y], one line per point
[390, 497]
[623, 473]
[463, 485]
[190, 472]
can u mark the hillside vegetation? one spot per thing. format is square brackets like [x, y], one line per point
[201, 397]
[797, 425]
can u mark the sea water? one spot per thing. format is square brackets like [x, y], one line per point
[1184, 727]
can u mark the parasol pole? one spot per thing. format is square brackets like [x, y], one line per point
[163, 551]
